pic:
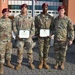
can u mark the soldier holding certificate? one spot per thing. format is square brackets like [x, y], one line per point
[23, 27]
[42, 27]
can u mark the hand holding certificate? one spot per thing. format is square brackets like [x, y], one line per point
[44, 32]
[24, 34]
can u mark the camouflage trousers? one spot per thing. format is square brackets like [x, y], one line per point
[5, 51]
[44, 45]
[24, 44]
[60, 49]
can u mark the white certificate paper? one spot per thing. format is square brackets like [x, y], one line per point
[44, 32]
[24, 33]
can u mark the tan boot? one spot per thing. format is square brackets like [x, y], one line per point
[41, 64]
[9, 64]
[1, 69]
[32, 66]
[45, 64]
[62, 66]
[18, 66]
[56, 66]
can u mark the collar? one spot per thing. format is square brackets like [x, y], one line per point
[44, 14]
[4, 18]
[63, 17]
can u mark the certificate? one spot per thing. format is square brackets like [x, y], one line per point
[44, 32]
[24, 33]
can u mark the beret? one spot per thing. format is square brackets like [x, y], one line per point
[60, 7]
[44, 4]
[5, 10]
[24, 5]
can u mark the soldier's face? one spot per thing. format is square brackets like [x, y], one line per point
[24, 10]
[45, 8]
[61, 12]
[6, 14]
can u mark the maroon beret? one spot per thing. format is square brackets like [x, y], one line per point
[44, 4]
[5, 10]
[24, 5]
[60, 7]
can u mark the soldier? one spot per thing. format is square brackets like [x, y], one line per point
[5, 40]
[64, 34]
[43, 22]
[24, 22]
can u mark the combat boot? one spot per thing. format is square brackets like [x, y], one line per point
[45, 64]
[56, 65]
[9, 64]
[62, 66]
[31, 65]
[1, 69]
[18, 66]
[41, 64]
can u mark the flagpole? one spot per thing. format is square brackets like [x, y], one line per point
[33, 8]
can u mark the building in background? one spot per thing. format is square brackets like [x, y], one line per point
[14, 6]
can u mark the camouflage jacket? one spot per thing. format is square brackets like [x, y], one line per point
[42, 22]
[23, 23]
[63, 29]
[5, 29]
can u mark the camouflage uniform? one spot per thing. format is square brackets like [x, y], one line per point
[24, 23]
[43, 22]
[64, 32]
[5, 39]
